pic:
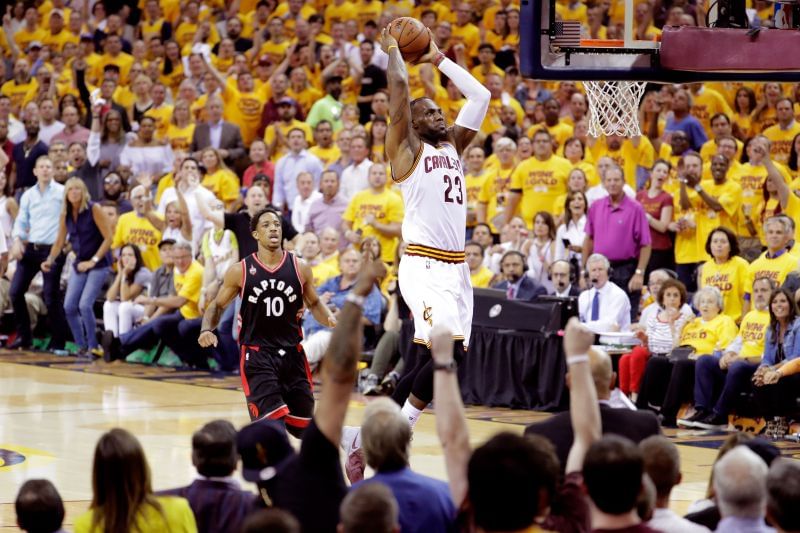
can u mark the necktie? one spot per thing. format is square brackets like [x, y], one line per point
[596, 306]
[510, 292]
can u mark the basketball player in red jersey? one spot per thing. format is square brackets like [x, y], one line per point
[273, 286]
[434, 279]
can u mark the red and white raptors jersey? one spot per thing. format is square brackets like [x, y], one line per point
[435, 197]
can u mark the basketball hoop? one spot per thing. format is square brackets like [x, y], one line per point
[614, 107]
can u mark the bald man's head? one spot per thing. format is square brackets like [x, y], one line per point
[603, 374]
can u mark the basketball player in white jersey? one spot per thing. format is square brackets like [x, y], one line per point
[425, 155]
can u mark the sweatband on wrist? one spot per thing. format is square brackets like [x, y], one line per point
[581, 358]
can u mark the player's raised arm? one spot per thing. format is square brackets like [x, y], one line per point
[469, 119]
[231, 285]
[402, 145]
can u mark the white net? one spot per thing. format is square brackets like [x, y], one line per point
[614, 107]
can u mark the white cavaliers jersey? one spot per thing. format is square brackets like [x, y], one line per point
[435, 198]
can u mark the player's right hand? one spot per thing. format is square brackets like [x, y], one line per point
[206, 339]
[387, 40]
[577, 338]
[433, 50]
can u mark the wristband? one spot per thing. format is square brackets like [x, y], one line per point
[582, 358]
[355, 299]
[450, 367]
[438, 58]
[207, 331]
[392, 46]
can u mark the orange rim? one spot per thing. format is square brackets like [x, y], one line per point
[603, 43]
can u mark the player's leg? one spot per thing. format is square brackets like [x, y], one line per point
[296, 388]
[259, 371]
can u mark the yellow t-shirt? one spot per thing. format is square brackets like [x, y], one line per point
[339, 13]
[244, 110]
[541, 182]
[322, 272]
[326, 155]
[559, 132]
[706, 337]
[275, 50]
[223, 183]
[754, 333]
[133, 229]
[306, 97]
[188, 286]
[781, 141]
[180, 138]
[24, 37]
[167, 181]
[366, 11]
[494, 193]
[280, 148]
[707, 104]
[776, 268]
[730, 278]
[729, 195]
[123, 61]
[793, 211]
[333, 262]
[491, 122]
[386, 207]
[480, 72]
[482, 278]
[178, 514]
[469, 35]
[752, 178]
[628, 157]
[688, 248]
[18, 93]
[474, 184]
[709, 149]
[57, 41]
[161, 115]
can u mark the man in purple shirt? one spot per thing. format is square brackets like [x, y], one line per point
[617, 227]
[326, 212]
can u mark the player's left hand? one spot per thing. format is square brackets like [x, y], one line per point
[387, 40]
[332, 321]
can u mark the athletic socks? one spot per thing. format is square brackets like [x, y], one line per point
[411, 413]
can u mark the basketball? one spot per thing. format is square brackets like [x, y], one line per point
[412, 37]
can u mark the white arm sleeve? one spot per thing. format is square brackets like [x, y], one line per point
[472, 114]
[93, 148]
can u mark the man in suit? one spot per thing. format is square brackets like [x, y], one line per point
[635, 425]
[216, 500]
[561, 274]
[217, 133]
[517, 285]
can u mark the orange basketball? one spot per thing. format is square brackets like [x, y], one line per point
[412, 37]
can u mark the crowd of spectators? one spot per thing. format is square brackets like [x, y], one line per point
[137, 140]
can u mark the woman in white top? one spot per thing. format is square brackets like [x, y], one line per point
[8, 207]
[145, 154]
[220, 250]
[543, 249]
[187, 179]
[571, 233]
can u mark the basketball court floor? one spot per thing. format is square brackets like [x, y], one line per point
[53, 409]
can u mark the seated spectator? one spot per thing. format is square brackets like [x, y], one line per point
[604, 306]
[720, 379]
[145, 154]
[114, 192]
[180, 130]
[662, 463]
[218, 134]
[517, 285]
[660, 328]
[479, 274]
[612, 474]
[634, 425]
[726, 271]
[372, 507]
[571, 232]
[355, 177]
[775, 380]
[174, 325]
[187, 179]
[216, 500]
[272, 520]
[177, 224]
[334, 293]
[783, 495]
[700, 337]
[424, 502]
[310, 251]
[741, 492]
[73, 131]
[562, 276]
[120, 310]
[87, 227]
[123, 497]
[287, 168]
[39, 507]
